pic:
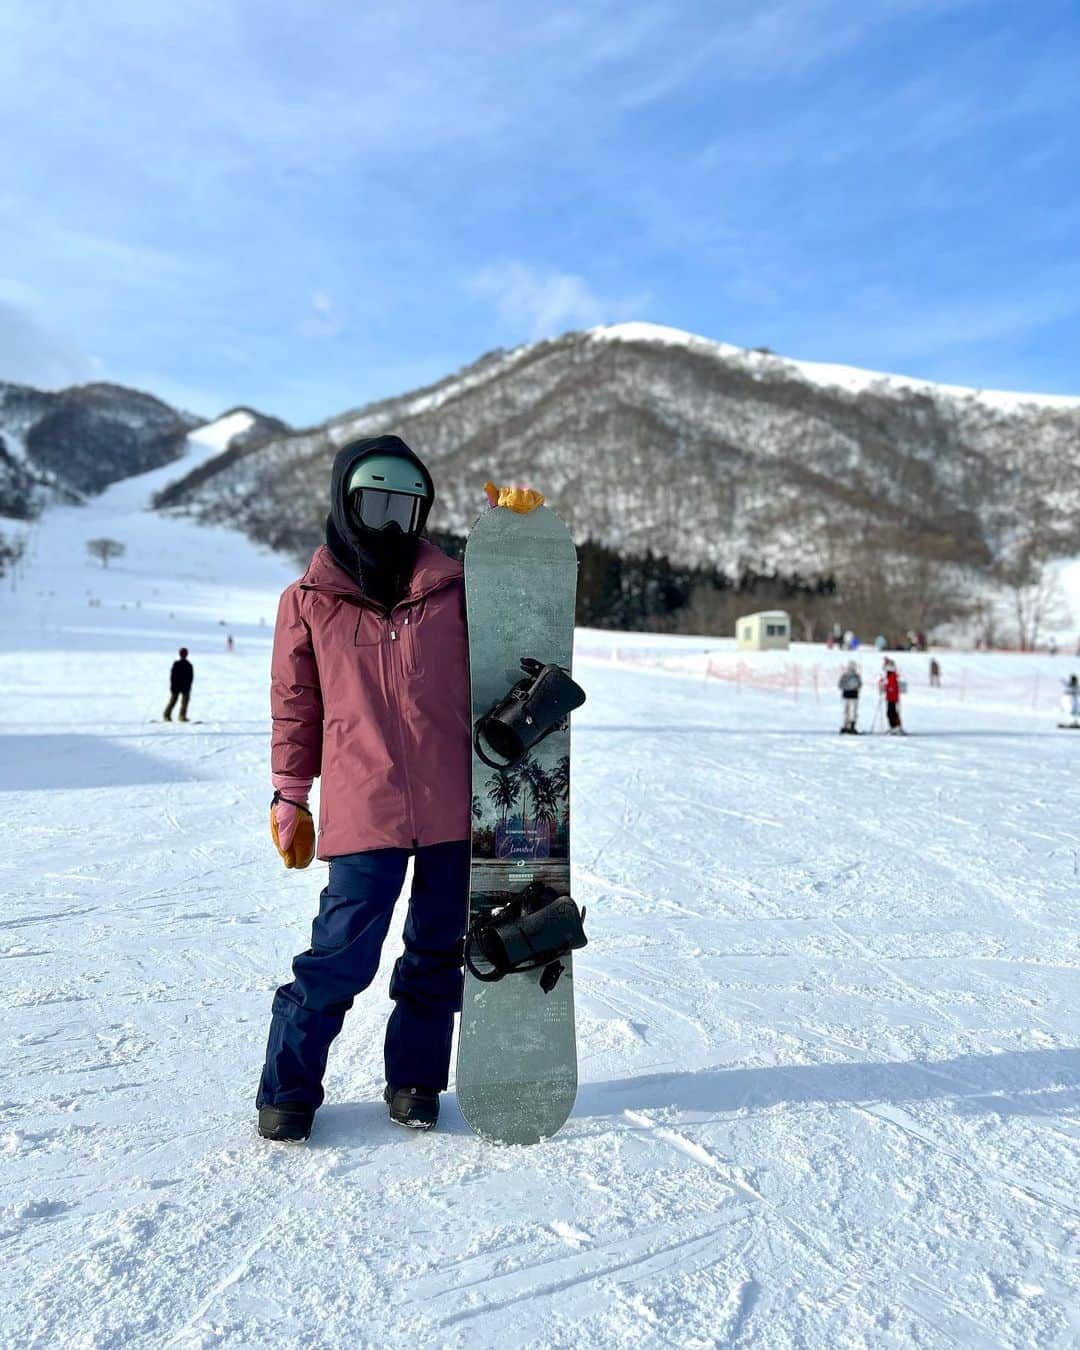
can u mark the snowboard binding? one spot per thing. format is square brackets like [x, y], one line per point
[530, 933]
[536, 706]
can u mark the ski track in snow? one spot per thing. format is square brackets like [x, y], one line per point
[830, 1073]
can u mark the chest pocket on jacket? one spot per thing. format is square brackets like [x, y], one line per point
[369, 628]
[412, 633]
[434, 638]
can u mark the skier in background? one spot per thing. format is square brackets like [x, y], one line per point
[181, 677]
[935, 673]
[369, 688]
[850, 683]
[1070, 701]
[890, 687]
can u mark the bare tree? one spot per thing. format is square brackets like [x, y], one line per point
[984, 614]
[11, 550]
[1031, 583]
[105, 549]
[1037, 602]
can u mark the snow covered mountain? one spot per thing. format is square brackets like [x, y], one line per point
[67, 445]
[643, 436]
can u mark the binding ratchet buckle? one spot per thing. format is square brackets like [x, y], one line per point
[531, 932]
[537, 705]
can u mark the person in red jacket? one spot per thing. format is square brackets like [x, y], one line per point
[890, 687]
[369, 689]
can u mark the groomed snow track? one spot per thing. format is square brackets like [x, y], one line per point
[827, 1018]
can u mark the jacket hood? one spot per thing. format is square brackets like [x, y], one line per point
[379, 566]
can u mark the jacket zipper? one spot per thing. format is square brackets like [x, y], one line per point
[399, 720]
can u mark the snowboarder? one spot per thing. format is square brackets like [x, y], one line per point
[181, 677]
[890, 687]
[369, 688]
[1070, 702]
[849, 683]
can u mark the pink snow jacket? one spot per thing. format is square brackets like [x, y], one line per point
[376, 702]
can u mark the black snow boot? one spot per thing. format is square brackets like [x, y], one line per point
[290, 1121]
[415, 1107]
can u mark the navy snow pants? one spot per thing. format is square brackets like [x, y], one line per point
[346, 941]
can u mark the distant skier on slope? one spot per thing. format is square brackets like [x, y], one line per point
[1070, 702]
[181, 677]
[849, 684]
[889, 684]
[369, 688]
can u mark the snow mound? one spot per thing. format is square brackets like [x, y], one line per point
[217, 435]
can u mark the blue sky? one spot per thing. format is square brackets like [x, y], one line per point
[306, 206]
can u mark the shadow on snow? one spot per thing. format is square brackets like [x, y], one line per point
[40, 763]
[1025, 1082]
[1012, 1083]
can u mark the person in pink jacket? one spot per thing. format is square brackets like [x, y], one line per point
[369, 691]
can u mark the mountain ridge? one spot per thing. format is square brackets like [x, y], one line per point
[649, 438]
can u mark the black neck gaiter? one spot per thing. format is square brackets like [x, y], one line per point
[381, 563]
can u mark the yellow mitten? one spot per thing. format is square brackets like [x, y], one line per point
[519, 499]
[293, 832]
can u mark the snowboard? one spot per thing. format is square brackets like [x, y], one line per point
[517, 1057]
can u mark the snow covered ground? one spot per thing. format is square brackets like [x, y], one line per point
[828, 1012]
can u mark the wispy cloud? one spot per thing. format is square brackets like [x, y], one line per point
[757, 42]
[323, 319]
[535, 303]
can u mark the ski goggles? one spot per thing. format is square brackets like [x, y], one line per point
[375, 509]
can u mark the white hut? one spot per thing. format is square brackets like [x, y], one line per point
[769, 631]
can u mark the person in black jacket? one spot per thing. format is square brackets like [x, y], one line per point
[180, 678]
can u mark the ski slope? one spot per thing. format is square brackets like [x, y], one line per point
[828, 1011]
